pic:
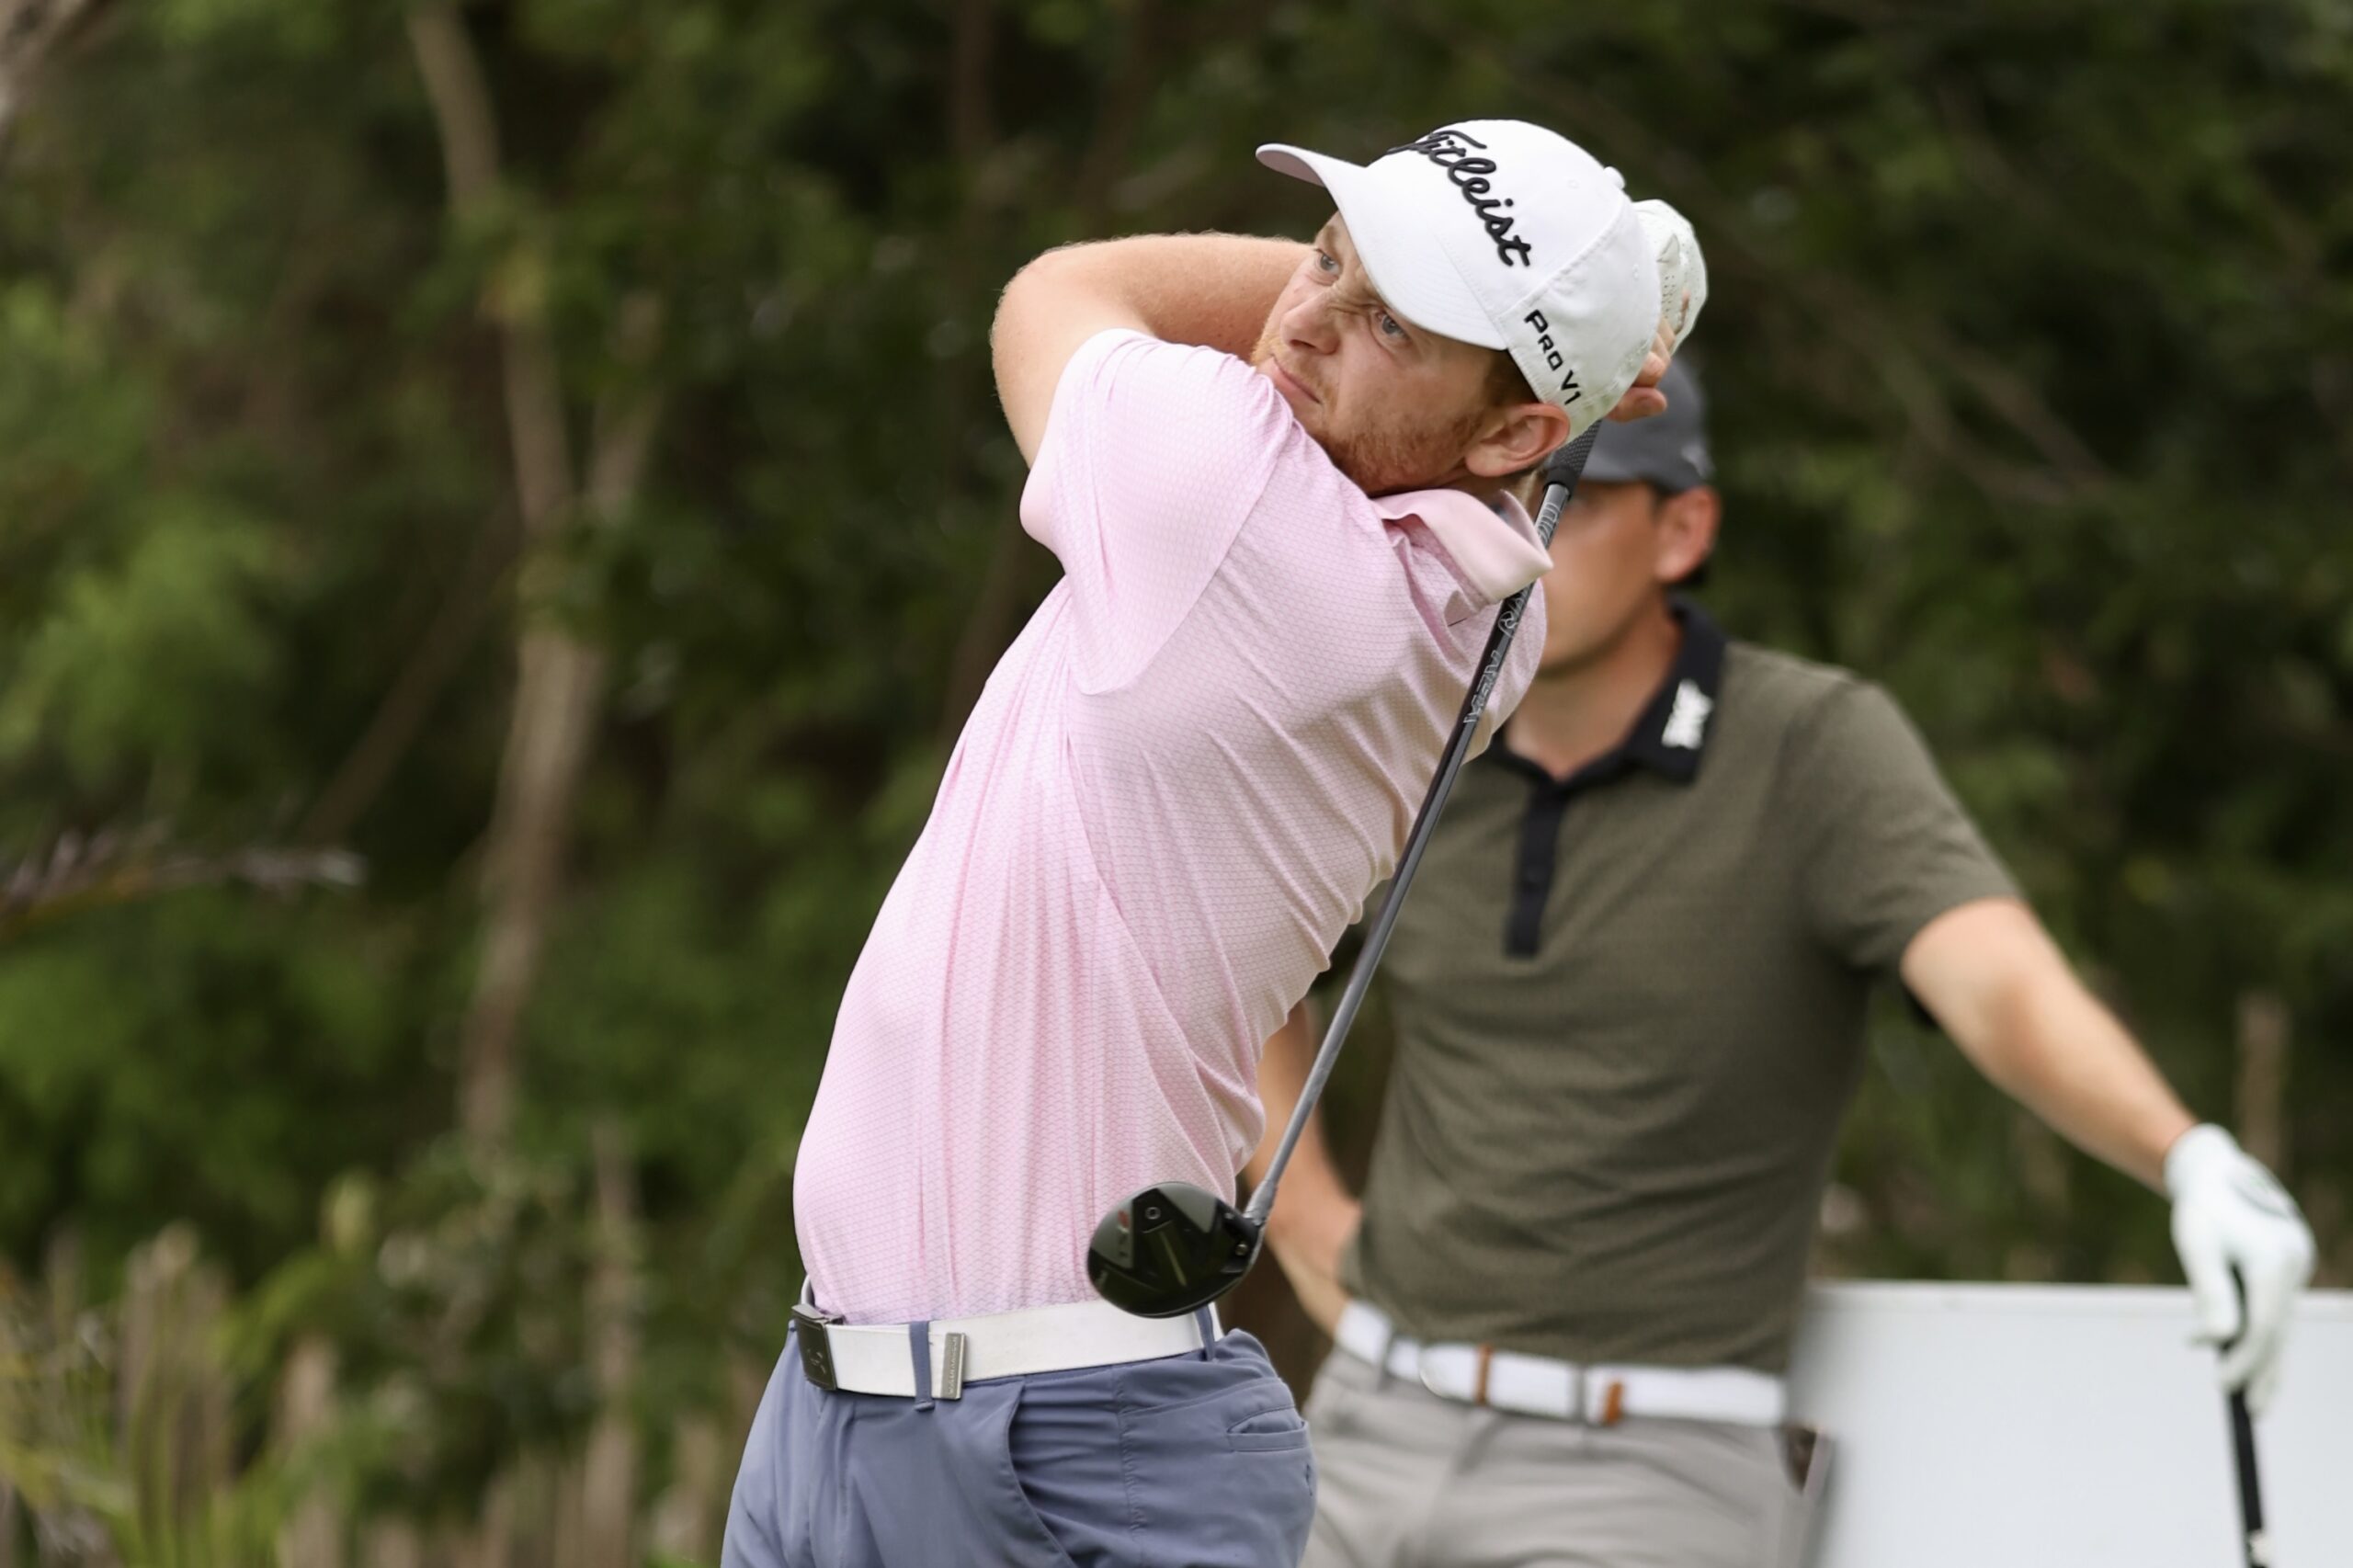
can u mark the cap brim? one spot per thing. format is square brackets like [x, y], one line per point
[1390, 229]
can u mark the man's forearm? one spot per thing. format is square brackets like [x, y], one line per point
[2008, 998]
[2071, 1062]
[1212, 290]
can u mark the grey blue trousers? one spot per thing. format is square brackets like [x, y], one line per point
[1197, 1461]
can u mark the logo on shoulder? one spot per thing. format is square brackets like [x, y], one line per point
[1454, 151]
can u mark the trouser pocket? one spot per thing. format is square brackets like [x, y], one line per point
[1213, 1463]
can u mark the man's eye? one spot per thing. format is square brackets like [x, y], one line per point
[1323, 263]
[1389, 328]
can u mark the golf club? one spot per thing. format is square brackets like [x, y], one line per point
[1174, 1248]
[2257, 1544]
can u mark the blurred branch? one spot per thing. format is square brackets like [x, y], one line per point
[560, 677]
[75, 875]
[470, 154]
[438, 657]
[622, 432]
[30, 31]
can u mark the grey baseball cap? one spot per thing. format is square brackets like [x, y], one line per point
[1668, 449]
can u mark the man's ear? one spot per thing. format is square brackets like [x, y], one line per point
[1687, 531]
[1516, 437]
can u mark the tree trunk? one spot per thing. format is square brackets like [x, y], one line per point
[560, 677]
[689, 1515]
[610, 1469]
[2264, 1033]
[313, 1535]
[556, 696]
[393, 1543]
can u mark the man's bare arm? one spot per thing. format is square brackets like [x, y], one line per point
[1212, 290]
[2006, 994]
[1314, 1212]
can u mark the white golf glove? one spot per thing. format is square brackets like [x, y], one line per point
[1682, 270]
[2229, 1213]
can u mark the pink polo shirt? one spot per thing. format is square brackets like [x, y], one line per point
[1182, 781]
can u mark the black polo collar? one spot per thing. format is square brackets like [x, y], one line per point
[1670, 735]
[1669, 738]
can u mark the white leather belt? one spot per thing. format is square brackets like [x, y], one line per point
[877, 1358]
[1537, 1385]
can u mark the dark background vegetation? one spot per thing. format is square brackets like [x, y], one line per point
[501, 512]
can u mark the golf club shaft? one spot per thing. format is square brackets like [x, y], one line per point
[2258, 1551]
[1563, 473]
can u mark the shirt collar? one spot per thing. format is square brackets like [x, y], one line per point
[1670, 735]
[1496, 548]
[1673, 732]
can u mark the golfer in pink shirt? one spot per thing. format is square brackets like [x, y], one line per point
[1276, 478]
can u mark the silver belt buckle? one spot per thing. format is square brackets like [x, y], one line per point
[816, 1345]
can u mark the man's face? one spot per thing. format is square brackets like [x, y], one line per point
[1397, 408]
[1617, 545]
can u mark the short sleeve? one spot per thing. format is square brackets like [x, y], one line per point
[1887, 848]
[1153, 456]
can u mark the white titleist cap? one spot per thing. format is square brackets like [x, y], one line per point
[1501, 233]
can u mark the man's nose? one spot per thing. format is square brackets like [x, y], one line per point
[1313, 324]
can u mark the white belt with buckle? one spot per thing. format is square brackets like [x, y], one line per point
[876, 1358]
[1537, 1385]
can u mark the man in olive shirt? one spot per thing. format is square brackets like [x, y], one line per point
[1629, 990]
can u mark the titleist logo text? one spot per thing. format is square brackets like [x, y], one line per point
[1452, 150]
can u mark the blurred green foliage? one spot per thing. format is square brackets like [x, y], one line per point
[2031, 348]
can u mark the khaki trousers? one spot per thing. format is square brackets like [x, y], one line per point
[1408, 1480]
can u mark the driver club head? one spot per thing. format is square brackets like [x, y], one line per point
[1171, 1249]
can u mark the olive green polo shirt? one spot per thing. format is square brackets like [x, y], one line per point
[1630, 1010]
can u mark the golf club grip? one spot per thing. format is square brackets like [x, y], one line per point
[2258, 1551]
[1562, 475]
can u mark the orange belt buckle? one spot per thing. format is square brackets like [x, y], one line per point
[1479, 1385]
